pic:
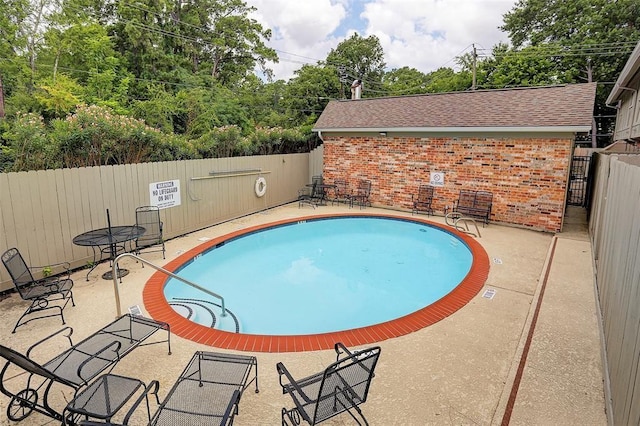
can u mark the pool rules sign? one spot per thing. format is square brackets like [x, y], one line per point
[165, 194]
[437, 179]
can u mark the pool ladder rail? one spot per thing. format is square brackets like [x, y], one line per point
[114, 268]
[455, 220]
[191, 305]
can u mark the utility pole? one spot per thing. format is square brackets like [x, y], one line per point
[342, 73]
[473, 67]
[594, 127]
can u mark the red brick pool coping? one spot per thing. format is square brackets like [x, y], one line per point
[159, 309]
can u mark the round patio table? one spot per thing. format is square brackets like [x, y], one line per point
[105, 241]
[322, 187]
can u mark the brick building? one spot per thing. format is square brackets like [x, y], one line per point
[516, 143]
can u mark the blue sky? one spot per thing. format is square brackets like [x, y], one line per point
[352, 20]
[423, 34]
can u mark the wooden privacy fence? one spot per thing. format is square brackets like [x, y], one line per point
[316, 163]
[42, 211]
[615, 231]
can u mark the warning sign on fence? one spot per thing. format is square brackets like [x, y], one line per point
[165, 194]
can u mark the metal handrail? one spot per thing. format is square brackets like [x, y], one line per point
[456, 218]
[114, 274]
[465, 220]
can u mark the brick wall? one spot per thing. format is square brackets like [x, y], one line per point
[528, 177]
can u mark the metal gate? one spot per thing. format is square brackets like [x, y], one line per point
[579, 181]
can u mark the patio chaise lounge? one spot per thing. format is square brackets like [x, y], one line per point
[75, 367]
[207, 392]
[342, 386]
[47, 297]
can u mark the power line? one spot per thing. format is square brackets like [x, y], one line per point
[555, 50]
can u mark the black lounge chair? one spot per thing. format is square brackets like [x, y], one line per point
[75, 367]
[207, 392]
[148, 217]
[47, 297]
[362, 194]
[342, 386]
[312, 194]
[422, 201]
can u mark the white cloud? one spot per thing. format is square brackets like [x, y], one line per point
[428, 34]
[301, 30]
[423, 34]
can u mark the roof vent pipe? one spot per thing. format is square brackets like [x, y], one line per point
[356, 89]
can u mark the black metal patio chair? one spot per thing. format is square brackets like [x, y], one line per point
[342, 386]
[340, 192]
[362, 194]
[48, 296]
[148, 217]
[75, 367]
[422, 201]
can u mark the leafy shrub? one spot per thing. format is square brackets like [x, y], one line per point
[28, 147]
[276, 140]
[93, 136]
[220, 142]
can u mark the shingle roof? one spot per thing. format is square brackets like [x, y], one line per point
[568, 107]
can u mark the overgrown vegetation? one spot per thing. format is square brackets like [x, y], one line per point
[94, 82]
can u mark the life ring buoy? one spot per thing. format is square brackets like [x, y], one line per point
[261, 186]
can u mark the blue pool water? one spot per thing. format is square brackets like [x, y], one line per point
[324, 275]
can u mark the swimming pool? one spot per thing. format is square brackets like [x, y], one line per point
[395, 292]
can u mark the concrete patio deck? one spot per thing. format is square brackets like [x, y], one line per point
[528, 356]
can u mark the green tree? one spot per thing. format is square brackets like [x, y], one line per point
[140, 34]
[405, 81]
[158, 111]
[58, 98]
[84, 51]
[13, 40]
[33, 28]
[530, 66]
[220, 142]
[215, 40]
[586, 39]
[200, 110]
[186, 68]
[362, 58]
[579, 34]
[264, 102]
[309, 92]
[447, 80]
